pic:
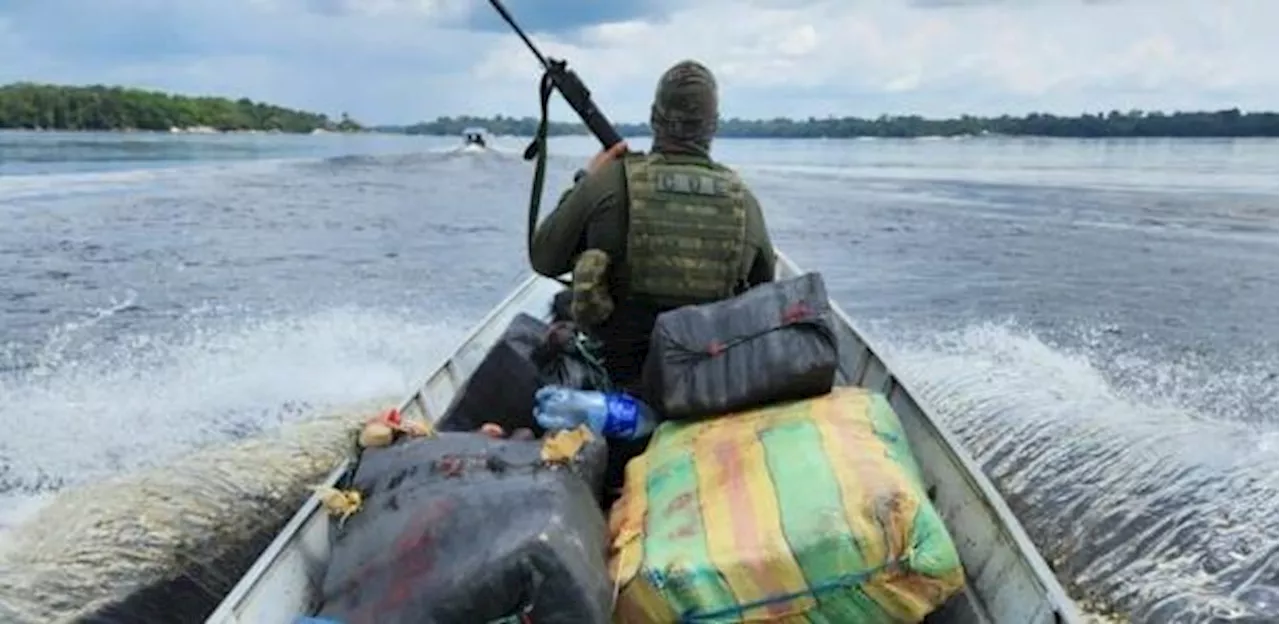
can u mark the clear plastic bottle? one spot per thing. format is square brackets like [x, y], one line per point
[614, 415]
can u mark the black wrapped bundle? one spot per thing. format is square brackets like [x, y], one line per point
[467, 528]
[529, 355]
[775, 342]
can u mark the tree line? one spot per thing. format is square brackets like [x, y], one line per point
[1224, 123]
[54, 107]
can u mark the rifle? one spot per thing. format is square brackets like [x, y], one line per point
[556, 76]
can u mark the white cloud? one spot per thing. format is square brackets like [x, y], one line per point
[870, 58]
[393, 60]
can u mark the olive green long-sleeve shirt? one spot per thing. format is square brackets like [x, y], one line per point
[594, 214]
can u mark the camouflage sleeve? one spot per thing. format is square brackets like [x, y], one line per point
[588, 216]
[764, 262]
[562, 234]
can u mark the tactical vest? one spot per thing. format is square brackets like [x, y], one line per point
[686, 237]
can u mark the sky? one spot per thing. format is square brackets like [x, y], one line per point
[400, 61]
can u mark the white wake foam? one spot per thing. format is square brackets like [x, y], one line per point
[73, 419]
[1148, 485]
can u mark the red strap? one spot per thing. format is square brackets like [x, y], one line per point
[392, 416]
[796, 312]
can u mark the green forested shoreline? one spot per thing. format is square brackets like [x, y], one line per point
[1226, 123]
[53, 107]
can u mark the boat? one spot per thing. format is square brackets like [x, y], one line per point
[1007, 579]
[474, 139]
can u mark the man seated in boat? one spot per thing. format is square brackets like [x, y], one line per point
[473, 136]
[664, 229]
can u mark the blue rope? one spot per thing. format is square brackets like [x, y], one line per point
[842, 582]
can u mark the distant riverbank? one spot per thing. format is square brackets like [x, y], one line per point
[207, 130]
[115, 109]
[98, 108]
[1115, 124]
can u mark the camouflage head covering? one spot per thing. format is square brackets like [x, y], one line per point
[685, 109]
[592, 304]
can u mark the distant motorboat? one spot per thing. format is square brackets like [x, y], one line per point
[474, 138]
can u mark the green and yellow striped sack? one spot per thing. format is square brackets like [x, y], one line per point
[810, 511]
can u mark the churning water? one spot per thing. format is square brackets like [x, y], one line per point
[1097, 320]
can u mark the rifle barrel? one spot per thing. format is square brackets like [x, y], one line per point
[511, 21]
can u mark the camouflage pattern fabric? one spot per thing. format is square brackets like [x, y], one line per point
[686, 109]
[686, 239]
[591, 301]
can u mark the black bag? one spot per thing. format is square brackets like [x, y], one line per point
[775, 342]
[562, 305]
[470, 529]
[528, 356]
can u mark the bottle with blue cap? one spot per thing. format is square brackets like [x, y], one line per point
[614, 415]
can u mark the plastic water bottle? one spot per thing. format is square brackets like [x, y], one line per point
[610, 414]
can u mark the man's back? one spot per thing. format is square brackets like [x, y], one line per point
[677, 227]
[597, 214]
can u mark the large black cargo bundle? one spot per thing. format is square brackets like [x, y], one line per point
[523, 359]
[775, 342]
[469, 529]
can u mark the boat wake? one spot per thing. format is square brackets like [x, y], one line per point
[491, 151]
[1150, 487]
[166, 544]
[84, 411]
[389, 164]
[15, 189]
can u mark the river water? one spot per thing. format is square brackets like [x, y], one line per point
[1096, 319]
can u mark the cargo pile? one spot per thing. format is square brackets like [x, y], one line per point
[763, 492]
[803, 510]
